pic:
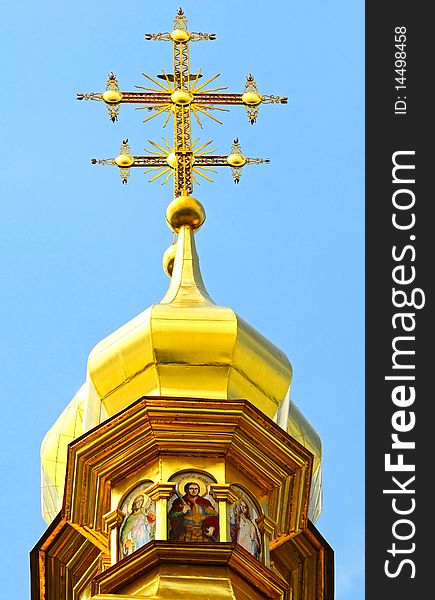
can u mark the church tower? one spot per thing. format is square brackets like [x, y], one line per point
[181, 468]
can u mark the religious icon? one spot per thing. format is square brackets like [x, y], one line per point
[138, 527]
[243, 528]
[192, 516]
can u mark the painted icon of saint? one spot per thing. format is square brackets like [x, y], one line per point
[243, 529]
[193, 518]
[137, 528]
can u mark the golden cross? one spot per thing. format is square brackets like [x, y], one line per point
[181, 94]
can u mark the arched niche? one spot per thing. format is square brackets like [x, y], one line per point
[193, 513]
[244, 516]
[137, 527]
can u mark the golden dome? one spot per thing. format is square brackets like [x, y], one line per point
[185, 345]
[54, 451]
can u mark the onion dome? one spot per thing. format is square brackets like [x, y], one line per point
[186, 346]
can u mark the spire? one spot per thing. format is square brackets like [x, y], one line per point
[187, 286]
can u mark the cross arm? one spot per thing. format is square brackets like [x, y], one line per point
[180, 34]
[190, 36]
[167, 164]
[113, 97]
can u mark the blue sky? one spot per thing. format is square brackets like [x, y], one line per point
[81, 254]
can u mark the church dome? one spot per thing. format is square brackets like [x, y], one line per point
[186, 346]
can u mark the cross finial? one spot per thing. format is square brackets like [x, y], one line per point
[181, 95]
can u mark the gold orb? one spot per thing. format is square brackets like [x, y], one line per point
[181, 97]
[124, 160]
[168, 259]
[185, 210]
[180, 35]
[251, 98]
[236, 160]
[112, 96]
[171, 159]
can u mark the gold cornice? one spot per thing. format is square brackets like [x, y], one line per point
[223, 492]
[98, 538]
[266, 525]
[64, 547]
[154, 428]
[211, 556]
[163, 490]
[112, 519]
[306, 561]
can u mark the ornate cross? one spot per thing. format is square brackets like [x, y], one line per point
[181, 94]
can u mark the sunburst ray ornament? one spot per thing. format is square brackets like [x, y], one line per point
[179, 96]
